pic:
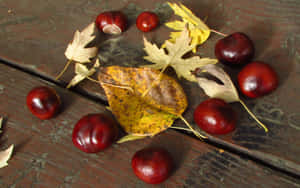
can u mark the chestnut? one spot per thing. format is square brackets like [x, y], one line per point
[147, 21]
[153, 165]
[215, 116]
[43, 102]
[94, 132]
[112, 22]
[236, 49]
[257, 79]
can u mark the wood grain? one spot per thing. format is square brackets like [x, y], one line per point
[45, 156]
[35, 37]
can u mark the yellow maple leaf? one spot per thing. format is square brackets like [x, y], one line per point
[173, 58]
[198, 30]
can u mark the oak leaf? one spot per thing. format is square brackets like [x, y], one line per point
[198, 30]
[142, 116]
[82, 72]
[225, 91]
[174, 57]
[77, 50]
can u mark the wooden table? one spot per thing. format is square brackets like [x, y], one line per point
[33, 37]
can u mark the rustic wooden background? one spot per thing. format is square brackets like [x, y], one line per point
[33, 37]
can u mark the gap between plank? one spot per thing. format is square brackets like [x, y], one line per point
[43, 77]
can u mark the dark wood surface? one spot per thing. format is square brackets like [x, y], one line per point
[46, 157]
[34, 35]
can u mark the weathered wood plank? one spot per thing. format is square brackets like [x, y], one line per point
[45, 156]
[35, 37]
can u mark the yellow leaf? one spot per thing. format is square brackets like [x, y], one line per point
[130, 137]
[173, 58]
[176, 25]
[199, 31]
[5, 156]
[142, 116]
[225, 91]
[82, 72]
[77, 50]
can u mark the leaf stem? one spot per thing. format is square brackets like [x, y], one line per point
[112, 85]
[156, 80]
[181, 128]
[64, 69]
[93, 80]
[253, 116]
[217, 32]
[196, 133]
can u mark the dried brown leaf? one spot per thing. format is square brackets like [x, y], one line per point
[225, 91]
[82, 72]
[5, 156]
[77, 50]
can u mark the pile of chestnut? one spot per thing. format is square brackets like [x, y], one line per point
[255, 79]
[95, 132]
[115, 22]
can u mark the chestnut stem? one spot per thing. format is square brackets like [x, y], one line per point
[217, 32]
[196, 133]
[253, 116]
[64, 69]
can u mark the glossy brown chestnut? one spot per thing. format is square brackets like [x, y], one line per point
[153, 165]
[43, 102]
[215, 116]
[113, 22]
[94, 132]
[235, 49]
[257, 79]
[147, 21]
